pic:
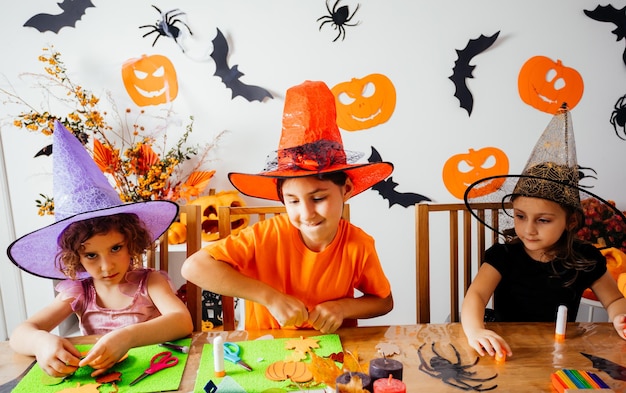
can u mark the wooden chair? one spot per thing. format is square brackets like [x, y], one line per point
[193, 243]
[224, 229]
[467, 243]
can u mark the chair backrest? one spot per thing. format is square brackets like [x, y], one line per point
[193, 243]
[467, 243]
[224, 228]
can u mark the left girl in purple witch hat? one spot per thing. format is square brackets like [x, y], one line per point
[96, 246]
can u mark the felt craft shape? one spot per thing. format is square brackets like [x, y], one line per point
[73, 11]
[387, 188]
[230, 75]
[167, 26]
[338, 18]
[608, 13]
[463, 70]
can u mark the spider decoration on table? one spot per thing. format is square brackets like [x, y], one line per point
[166, 26]
[339, 17]
[618, 118]
[453, 374]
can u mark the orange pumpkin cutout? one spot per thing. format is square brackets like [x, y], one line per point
[364, 103]
[545, 84]
[461, 170]
[210, 205]
[177, 233]
[150, 80]
[295, 371]
[616, 265]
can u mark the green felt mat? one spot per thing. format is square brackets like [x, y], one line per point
[259, 354]
[138, 360]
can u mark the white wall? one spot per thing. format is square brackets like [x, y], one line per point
[277, 44]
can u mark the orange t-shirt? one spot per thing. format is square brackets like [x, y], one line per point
[272, 251]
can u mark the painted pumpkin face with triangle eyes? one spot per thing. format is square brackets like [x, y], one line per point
[210, 205]
[150, 80]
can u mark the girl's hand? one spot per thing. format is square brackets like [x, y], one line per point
[326, 317]
[486, 341]
[107, 351]
[619, 322]
[57, 356]
[288, 310]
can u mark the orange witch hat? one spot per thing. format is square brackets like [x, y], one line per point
[310, 144]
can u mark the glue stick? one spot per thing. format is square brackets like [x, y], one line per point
[561, 323]
[218, 356]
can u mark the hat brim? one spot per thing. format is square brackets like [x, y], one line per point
[263, 185]
[35, 252]
[503, 193]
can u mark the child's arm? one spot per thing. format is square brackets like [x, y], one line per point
[173, 323]
[473, 313]
[219, 277]
[55, 355]
[329, 316]
[605, 288]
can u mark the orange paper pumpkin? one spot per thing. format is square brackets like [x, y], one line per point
[364, 103]
[295, 371]
[545, 84]
[616, 265]
[150, 80]
[461, 170]
[177, 233]
[210, 205]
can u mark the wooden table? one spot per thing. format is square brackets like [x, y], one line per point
[535, 353]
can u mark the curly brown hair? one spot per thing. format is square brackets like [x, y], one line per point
[136, 234]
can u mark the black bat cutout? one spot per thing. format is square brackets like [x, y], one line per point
[230, 75]
[73, 11]
[463, 70]
[387, 188]
[616, 371]
[608, 13]
[45, 151]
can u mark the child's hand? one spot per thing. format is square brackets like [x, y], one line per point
[57, 356]
[486, 341]
[326, 317]
[288, 310]
[619, 322]
[107, 351]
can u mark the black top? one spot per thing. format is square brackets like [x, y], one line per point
[531, 291]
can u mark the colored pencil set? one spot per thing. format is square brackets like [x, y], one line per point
[568, 380]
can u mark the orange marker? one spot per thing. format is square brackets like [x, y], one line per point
[500, 359]
[561, 323]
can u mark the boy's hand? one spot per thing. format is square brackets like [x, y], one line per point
[486, 341]
[288, 310]
[326, 317]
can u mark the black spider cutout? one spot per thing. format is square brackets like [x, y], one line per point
[453, 374]
[618, 118]
[339, 17]
[166, 26]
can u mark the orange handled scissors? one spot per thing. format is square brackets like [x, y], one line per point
[160, 361]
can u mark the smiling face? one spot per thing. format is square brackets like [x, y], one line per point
[314, 207]
[539, 224]
[105, 257]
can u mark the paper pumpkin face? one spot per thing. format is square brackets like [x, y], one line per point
[150, 80]
[463, 169]
[545, 84]
[364, 103]
[210, 205]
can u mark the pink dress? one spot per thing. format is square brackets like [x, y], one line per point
[94, 319]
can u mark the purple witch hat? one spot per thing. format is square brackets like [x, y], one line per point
[81, 191]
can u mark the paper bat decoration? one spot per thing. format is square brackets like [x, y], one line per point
[45, 151]
[73, 10]
[230, 75]
[387, 188]
[608, 13]
[463, 70]
[616, 371]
